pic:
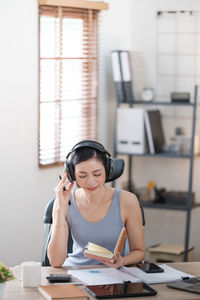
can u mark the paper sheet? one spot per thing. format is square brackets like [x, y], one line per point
[102, 276]
[170, 274]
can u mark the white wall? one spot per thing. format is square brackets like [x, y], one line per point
[25, 189]
[137, 32]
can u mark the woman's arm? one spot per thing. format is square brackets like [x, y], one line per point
[132, 218]
[130, 209]
[57, 248]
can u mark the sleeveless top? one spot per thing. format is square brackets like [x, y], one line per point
[104, 233]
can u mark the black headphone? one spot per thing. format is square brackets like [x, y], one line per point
[94, 145]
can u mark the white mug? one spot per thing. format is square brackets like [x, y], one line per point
[31, 274]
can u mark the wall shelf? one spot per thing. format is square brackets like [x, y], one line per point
[154, 205]
[169, 155]
[150, 204]
[162, 103]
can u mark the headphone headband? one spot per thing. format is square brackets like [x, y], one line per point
[89, 144]
[94, 145]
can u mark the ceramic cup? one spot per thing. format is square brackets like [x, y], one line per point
[31, 274]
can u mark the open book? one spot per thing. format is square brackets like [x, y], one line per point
[97, 252]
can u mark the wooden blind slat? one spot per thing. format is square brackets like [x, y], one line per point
[68, 83]
[75, 3]
[66, 12]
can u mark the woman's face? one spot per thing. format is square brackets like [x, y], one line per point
[90, 174]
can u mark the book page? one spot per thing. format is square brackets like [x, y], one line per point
[97, 249]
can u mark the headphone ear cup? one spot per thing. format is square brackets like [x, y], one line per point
[70, 170]
[109, 168]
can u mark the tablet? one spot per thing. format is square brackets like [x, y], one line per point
[120, 290]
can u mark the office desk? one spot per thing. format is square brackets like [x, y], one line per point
[14, 291]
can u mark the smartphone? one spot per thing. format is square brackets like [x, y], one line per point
[150, 268]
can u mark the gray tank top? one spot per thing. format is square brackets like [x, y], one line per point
[104, 233]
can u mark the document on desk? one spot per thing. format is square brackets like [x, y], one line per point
[102, 276]
[169, 275]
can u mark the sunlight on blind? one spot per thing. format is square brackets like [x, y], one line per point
[68, 81]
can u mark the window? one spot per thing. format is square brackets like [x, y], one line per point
[68, 80]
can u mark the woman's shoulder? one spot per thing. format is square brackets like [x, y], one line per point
[128, 198]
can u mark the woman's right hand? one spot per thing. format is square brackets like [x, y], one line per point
[63, 196]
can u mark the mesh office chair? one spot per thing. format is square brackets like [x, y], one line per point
[118, 170]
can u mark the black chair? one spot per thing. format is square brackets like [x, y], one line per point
[47, 220]
[118, 170]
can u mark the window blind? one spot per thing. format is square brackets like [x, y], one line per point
[68, 80]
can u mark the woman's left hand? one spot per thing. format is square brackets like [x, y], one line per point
[116, 262]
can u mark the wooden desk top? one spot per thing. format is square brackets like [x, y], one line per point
[14, 290]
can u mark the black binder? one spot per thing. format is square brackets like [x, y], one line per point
[155, 124]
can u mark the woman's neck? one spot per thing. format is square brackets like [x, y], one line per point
[94, 198]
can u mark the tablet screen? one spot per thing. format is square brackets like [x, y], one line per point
[121, 290]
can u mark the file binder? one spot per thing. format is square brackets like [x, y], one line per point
[150, 143]
[155, 133]
[131, 136]
[121, 68]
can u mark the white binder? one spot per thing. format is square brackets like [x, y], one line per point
[121, 68]
[149, 133]
[131, 136]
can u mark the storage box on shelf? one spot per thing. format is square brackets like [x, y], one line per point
[169, 253]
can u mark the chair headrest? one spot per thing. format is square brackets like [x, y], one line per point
[118, 168]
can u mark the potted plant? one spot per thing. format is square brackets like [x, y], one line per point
[5, 275]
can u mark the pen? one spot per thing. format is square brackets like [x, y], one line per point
[64, 189]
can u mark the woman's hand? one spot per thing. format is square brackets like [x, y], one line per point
[116, 262]
[63, 196]
[57, 248]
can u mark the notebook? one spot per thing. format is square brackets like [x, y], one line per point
[189, 285]
[62, 292]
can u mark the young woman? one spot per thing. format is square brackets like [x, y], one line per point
[97, 212]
